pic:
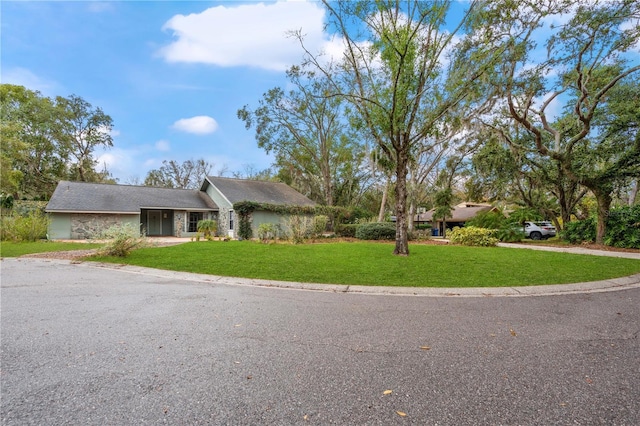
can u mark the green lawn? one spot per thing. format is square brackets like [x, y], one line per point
[361, 263]
[10, 249]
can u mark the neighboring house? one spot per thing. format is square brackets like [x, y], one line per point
[459, 216]
[225, 192]
[80, 210]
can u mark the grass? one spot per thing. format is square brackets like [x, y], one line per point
[11, 249]
[361, 263]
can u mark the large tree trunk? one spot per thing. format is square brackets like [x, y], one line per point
[412, 213]
[634, 192]
[328, 184]
[402, 236]
[604, 203]
[383, 203]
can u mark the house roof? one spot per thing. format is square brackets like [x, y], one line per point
[85, 197]
[460, 213]
[236, 190]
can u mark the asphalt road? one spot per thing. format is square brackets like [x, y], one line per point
[90, 346]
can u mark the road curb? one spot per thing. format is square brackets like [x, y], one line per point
[615, 284]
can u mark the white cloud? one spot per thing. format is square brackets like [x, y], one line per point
[24, 77]
[199, 125]
[119, 162]
[629, 26]
[246, 35]
[163, 145]
[100, 6]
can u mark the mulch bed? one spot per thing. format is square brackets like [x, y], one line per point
[65, 255]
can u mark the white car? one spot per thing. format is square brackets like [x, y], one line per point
[539, 230]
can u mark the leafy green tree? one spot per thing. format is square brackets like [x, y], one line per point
[524, 177]
[35, 159]
[12, 150]
[443, 207]
[392, 74]
[83, 129]
[616, 143]
[308, 134]
[584, 64]
[45, 141]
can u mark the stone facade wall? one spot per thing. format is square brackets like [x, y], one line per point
[179, 220]
[88, 225]
[223, 222]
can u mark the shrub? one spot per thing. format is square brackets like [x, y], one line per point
[347, 230]
[122, 239]
[510, 233]
[473, 236]
[423, 226]
[580, 231]
[488, 220]
[244, 228]
[420, 234]
[623, 227]
[376, 231]
[319, 225]
[31, 227]
[505, 229]
[299, 228]
[267, 231]
[208, 228]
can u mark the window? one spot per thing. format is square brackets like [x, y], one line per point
[231, 220]
[194, 218]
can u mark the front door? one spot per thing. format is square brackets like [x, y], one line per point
[154, 222]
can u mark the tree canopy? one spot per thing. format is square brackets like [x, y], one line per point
[46, 140]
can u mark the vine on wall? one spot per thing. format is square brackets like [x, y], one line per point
[244, 209]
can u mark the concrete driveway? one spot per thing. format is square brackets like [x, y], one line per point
[87, 345]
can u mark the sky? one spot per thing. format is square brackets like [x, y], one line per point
[171, 74]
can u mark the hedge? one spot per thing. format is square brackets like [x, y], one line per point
[376, 231]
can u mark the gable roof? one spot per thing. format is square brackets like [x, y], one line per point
[460, 213]
[85, 197]
[236, 190]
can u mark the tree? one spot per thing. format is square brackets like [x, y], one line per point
[585, 62]
[44, 141]
[12, 149]
[524, 176]
[617, 144]
[392, 74]
[443, 207]
[34, 158]
[307, 132]
[83, 129]
[186, 175]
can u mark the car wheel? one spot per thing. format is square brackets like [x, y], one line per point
[535, 235]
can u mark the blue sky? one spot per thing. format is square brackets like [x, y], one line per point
[171, 74]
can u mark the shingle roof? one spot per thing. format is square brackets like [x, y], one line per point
[259, 191]
[460, 213]
[97, 197]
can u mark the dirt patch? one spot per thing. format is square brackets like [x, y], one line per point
[65, 255]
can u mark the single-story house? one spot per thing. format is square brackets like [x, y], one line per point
[80, 210]
[459, 216]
